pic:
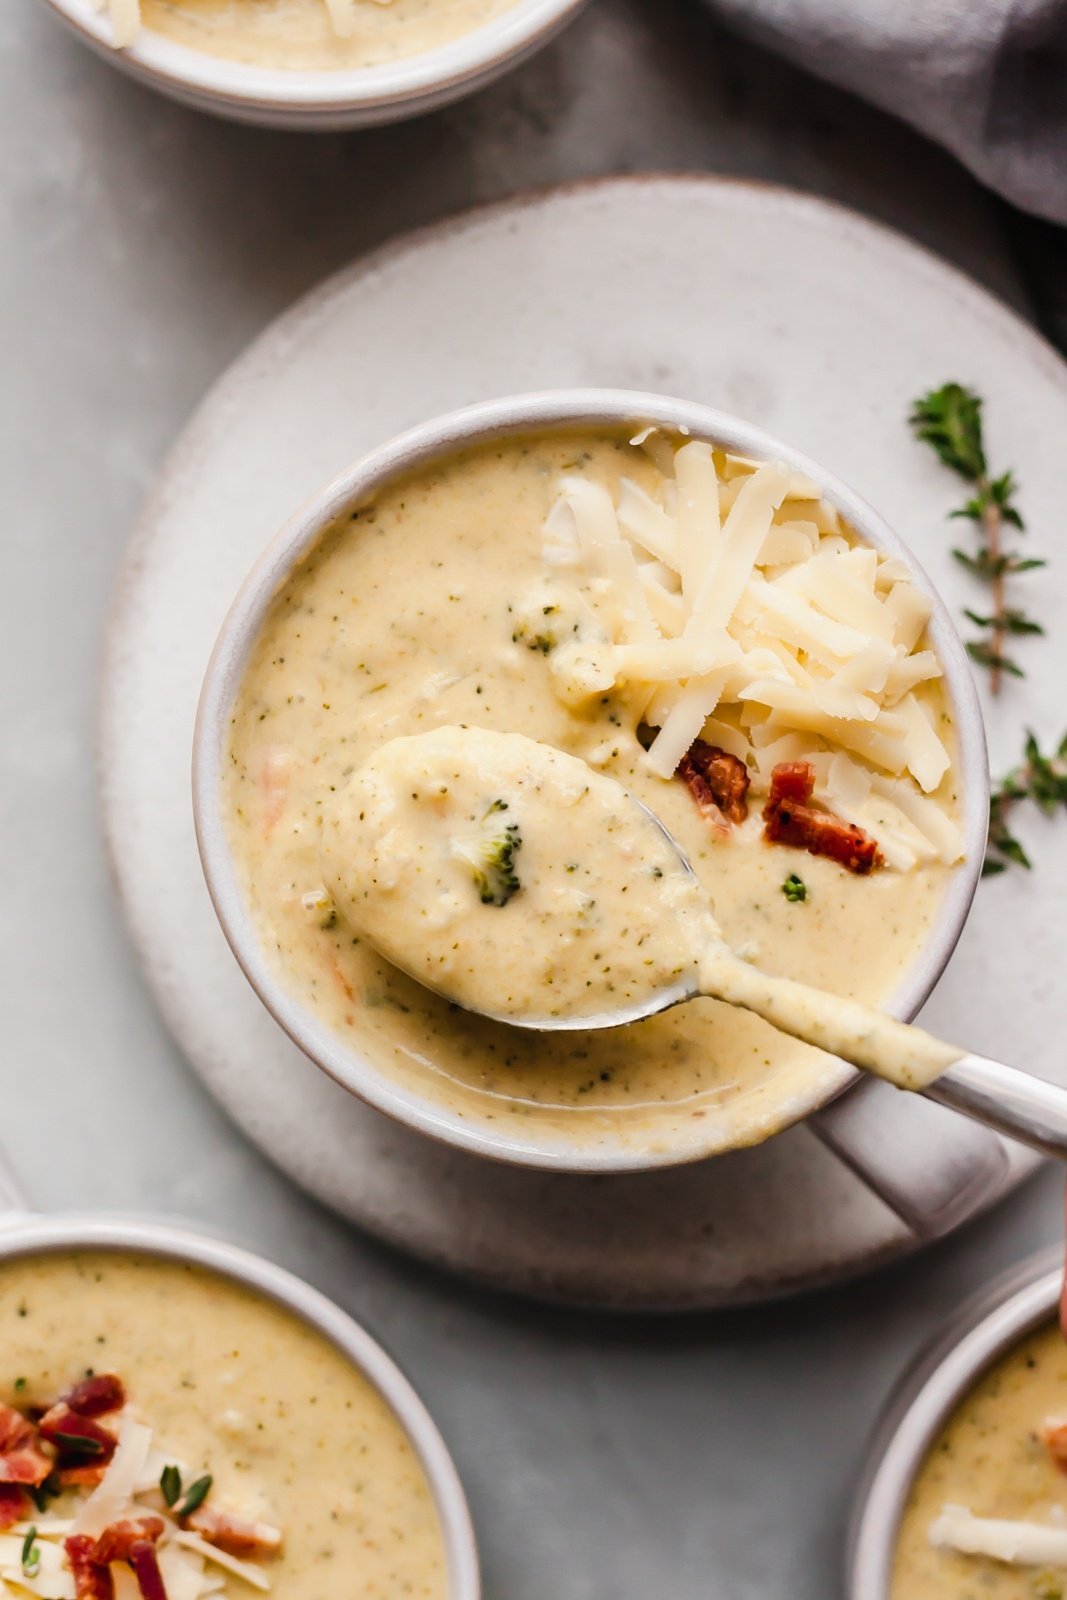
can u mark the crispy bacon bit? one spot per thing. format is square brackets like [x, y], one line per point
[119, 1538]
[793, 781]
[91, 1580]
[240, 1536]
[96, 1396]
[14, 1505]
[61, 1425]
[788, 818]
[21, 1459]
[717, 781]
[1054, 1438]
[85, 1477]
[145, 1564]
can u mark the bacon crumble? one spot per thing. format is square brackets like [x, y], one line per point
[69, 1429]
[21, 1458]
[1054, 1438]
[91, 1581]
[117, 1540]
[130, 1541]
[14, 1505]
[717, 781]
[97, 1395]
[145, 1564]
[239, 1536]
[790, 818]
[61, 1423]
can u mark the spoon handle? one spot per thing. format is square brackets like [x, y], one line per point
[1013, 1102]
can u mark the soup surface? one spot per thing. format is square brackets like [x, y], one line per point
[424, 609]
[299, 35]
[235, 1386]
[993, 1460]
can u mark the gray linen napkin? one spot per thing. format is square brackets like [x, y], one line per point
[987, 78]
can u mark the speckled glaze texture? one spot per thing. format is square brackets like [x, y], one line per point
[861, 320]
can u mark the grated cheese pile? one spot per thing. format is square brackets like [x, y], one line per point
[191, 1567]
[125, 17]
[731, 604]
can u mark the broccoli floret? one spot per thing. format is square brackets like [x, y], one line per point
[490, 852]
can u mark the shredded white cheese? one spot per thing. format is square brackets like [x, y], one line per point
[241, 1569]
[192, 1568]
[724, 597]
[118, 1486]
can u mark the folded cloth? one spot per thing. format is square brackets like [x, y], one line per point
[987, 78]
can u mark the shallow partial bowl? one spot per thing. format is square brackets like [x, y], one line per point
[25, 1234]
[987, 1328]
[766, 1112]
[322, 100]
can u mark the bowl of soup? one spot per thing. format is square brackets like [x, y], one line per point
[965, 1491]
[180, 1418]
[688, 607]
[315, 64]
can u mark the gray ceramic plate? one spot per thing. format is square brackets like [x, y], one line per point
[813, 323]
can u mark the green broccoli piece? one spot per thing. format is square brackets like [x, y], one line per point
[490, 852]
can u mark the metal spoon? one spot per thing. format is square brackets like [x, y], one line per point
[1013, 1102]
[391, 861]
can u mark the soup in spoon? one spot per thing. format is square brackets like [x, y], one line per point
[520, 884]
[512, 878]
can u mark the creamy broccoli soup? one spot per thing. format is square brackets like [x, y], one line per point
[987, 1515]
[495, 590]
[312, 35]
[437, 832]
[160, 1424]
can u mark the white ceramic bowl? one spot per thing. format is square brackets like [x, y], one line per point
[987, 1328]
[318, 101]
[25, 1234]
[755, 1116]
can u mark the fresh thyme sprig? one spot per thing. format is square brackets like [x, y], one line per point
[1041, 779]
[949, 419]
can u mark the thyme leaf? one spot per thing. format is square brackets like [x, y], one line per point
[77, 1444]
[195, 1496]
[31, 1555]
[1040, 780]
[170, 1485]
[949, 420]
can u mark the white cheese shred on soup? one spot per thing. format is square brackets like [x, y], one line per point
[214, 1446]
[706, 631]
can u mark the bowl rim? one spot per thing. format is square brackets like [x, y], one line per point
[445, 71]
[443, 435]
[27, 1234]
[986, 1327]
